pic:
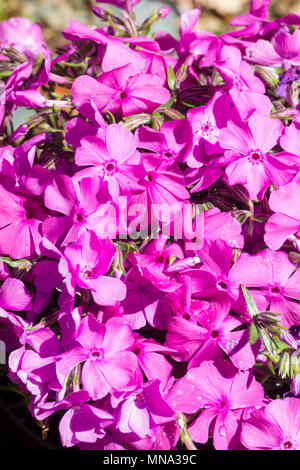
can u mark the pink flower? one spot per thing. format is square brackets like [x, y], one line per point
[115, 160]
[24, 36]
[275, 427]
[286, 220]
[108, 364]
[280, 284]
[222, 393]
[121, 91]
[206, 123]
[153, 260]
[164, 189]
[143, 410]
[245, 89]
[198, 342]
[250, 164]
[282, 50]
[88, 261]
[20, 219]
[144, 302]
[81, 423]
[79, 204]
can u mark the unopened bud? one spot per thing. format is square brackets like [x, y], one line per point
[100, 12]
[294, 95]
[284, 365]
[269, 74]
[136, 121]
[163, 12]
[296, 384]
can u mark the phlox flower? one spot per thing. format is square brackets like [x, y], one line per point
[275, 427]
[142, 410]
[121, 91]
[285, 221]
[222, 394]
[88, 260]
[198, 342]
[81, 422]
[25, 36]
[153, 260]
[20, 219]
[144, 302]
[78, 202]
[206, 123]
[280, 286]
[108, 363]
[249, 161]
[115, 160]
[245, 89]
[282, 51]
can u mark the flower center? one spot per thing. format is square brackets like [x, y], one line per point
[140, 400]
[238, 83]
[275, 290]
[109, 167]
[149, 177]
[255, 157]
[214, 334]
[123, 95]
[207, 128]
[221, 285]
[87, 272]
[159, 260]
[287, 445]
[97, 354]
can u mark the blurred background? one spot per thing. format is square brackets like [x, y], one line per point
[54, 15]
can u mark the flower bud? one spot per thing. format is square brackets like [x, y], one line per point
[269, 74]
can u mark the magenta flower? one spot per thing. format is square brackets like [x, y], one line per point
[196, 343]
[170, 143]
[153, 364]
[285, 222]
[13, 295]
[219, 281]
[23, 35]
[222, 393]
[143, 410]
[245, 89]
[280, 284]
[81, 423]
[164, 189]
[121, 91]
[250, 162]
[212, 225]
[79, 204]
[115, 160]
[88, 261]
[282, 51]
[206, 123]
[20, 219]
[104, 349]
[152, 262]
[144, 302]
[275, 427]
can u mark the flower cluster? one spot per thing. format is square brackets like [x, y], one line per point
[150, 230]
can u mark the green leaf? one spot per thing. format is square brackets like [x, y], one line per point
[251, 305]
[14, 263]
[254, 333]
[281, 345]
[171, 78]
[111, 116]
[271, 367]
